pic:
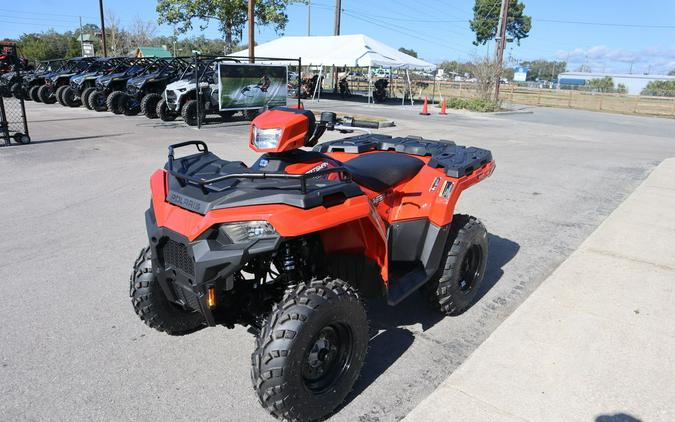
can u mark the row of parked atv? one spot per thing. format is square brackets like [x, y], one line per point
[155, 87]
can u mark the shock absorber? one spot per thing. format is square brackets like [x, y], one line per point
[287, 259]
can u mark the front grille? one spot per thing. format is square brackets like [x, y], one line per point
[132, 90]
[170, 97]
[176, 255]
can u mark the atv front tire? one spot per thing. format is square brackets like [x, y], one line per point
[310, 350]
[59, 94]
[189, 113]
[453, 290]
[33, 93]
[85, 97]
[152, 306]
[68, 98]
[149, 105]
[97, 101]
[16, 90]
[116, 101]
[46, 95]
[163, 111]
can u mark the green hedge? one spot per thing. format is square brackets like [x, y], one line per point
[473, 104]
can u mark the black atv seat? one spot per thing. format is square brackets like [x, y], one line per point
[381, 170]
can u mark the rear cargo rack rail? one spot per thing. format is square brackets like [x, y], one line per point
[204, 183]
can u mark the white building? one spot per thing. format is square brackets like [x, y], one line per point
[634, 83]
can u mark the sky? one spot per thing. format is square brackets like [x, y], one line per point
[617, 36]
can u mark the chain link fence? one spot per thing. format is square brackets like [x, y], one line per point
[13, 122]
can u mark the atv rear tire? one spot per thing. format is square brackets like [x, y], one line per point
[59, 94]
[149, 105]
[85, 97]
[454, 289]
[33, 93]
[310, 350]
[97, 101]
[116, 101]
[163, 111]
[46, 95]
[189, 113]
[152, 306]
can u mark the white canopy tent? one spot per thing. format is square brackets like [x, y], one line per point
[339, 51]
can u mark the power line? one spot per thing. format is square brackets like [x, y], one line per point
[403, 30]
[30, 12]
[626, 25]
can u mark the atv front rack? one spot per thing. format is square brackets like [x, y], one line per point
[205, 183]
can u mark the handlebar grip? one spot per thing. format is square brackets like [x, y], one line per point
[365, 124]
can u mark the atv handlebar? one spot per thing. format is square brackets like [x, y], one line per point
[201, 146]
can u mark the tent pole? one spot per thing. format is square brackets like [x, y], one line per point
[391, 83]
[433, 91]
[370, 80]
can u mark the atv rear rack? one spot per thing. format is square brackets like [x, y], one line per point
[204, 183]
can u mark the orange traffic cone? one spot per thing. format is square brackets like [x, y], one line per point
[443, 107]
[425, 109]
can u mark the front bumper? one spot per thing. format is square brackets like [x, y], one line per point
[186, 270]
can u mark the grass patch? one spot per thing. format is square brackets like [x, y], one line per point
[473, 104]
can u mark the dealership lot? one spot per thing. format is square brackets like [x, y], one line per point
[72, 219]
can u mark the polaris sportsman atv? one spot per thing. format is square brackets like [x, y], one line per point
[292, 244]
[83, 85]
[54, 85]
[116, 81]
[144, 92]
[32, 82]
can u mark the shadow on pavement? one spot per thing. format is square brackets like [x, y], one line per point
[618, 417]
[108, 116]
[500, 252]
[77, 138]
[389, 336]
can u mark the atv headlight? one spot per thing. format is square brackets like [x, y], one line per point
[245, 231]
[266, 138]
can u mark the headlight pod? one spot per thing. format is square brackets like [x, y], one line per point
[245, 231]
[266, 138]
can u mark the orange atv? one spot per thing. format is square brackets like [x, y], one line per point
[292, 245]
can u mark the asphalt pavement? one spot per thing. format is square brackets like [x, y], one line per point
[601, 351]
[72, 223]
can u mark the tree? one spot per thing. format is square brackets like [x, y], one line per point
[605, 84]
[543, 70]
[485, 70]
[408, 51]
[231, 15]
[486, 18]
[659, 89]
[455, 67]
[141, 33]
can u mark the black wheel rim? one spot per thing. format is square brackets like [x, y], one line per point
[470, 268]
[328, 357]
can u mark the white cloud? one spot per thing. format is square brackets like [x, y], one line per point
[601, 57]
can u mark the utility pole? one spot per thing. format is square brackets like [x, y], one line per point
[309, 18]
[81, 39]
[501, 43]
[338, 11]
[251, 29]
[105, 47]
